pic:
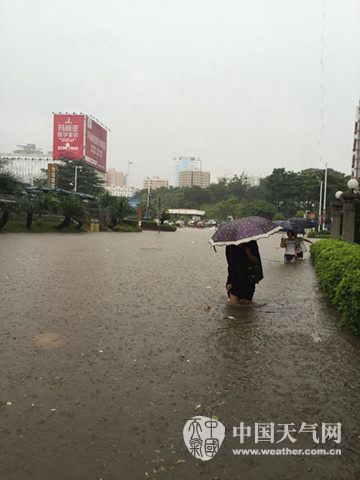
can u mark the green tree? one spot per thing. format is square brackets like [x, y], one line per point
[237, 186]
[116, 207]
[37, 203]
[224, 209]
[260, 208]
[9, 188]
[73, 208]
[88, 180]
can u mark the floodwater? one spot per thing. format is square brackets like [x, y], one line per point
[110, 342]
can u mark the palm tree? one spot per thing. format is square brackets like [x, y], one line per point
[116, 207]
[28, 203]
[72, 207]
[39, 204]
[9, 185]
[45, 202]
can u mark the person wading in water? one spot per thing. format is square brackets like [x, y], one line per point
[244, 271]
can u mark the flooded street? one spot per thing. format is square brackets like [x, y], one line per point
[110, 342]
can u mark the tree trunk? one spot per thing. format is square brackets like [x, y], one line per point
[114, 222]
[29, 219]
[64, 223]
[4, 219]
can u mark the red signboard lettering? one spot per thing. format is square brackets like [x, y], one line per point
[95, 144]
[68, 140]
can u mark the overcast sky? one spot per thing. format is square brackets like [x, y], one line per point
[235, 82]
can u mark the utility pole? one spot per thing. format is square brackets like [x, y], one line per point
[320, 207]
[76, 176]
[128, 173]
[325, 188]
[148, 199]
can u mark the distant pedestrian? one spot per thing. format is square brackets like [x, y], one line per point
[289, 244]
[294, 247]
[300, 246]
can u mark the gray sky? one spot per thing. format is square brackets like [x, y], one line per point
[235, 82]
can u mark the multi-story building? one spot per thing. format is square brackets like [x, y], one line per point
[183, 164]
[114, 178]
[193, 178]
[156, 182]
[27, 163]
[252, 180]
[121, 191]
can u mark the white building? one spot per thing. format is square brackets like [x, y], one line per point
[27, 162]
[252, 180]
[26, 169]
[122, 191]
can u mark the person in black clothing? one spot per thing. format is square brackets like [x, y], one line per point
[244, 271]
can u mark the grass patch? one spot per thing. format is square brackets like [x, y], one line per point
[126, 227]
[17, 225]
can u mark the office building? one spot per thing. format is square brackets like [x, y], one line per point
[114, 178]
[183, 164]
[155, 182]
[193, 178]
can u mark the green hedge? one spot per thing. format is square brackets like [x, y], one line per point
[126, 227]
[320, 234]
[337, 264]
[145, 225]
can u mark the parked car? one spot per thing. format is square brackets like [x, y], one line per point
[210, 223]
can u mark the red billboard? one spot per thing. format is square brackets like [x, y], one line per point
[95, 144]
[68, 140]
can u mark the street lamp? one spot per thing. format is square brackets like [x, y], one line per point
[148, 198]
[338, 194]
[353, 184]
[77, 167]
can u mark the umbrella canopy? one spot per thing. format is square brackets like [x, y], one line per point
[284, 224]
[297, 225]
[243, 230]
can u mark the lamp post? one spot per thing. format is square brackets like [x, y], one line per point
[353, 185]
[348, 212]
[77, 167]
[320, 206]
[325, 188]
[128, 173]
[148, 198]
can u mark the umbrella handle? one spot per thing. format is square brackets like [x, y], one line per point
[214, 249]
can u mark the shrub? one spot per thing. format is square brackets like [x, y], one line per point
[323, 233]
[146, 225]
[337, 264]
[320, 234]
[126, 227]
[300, 214]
